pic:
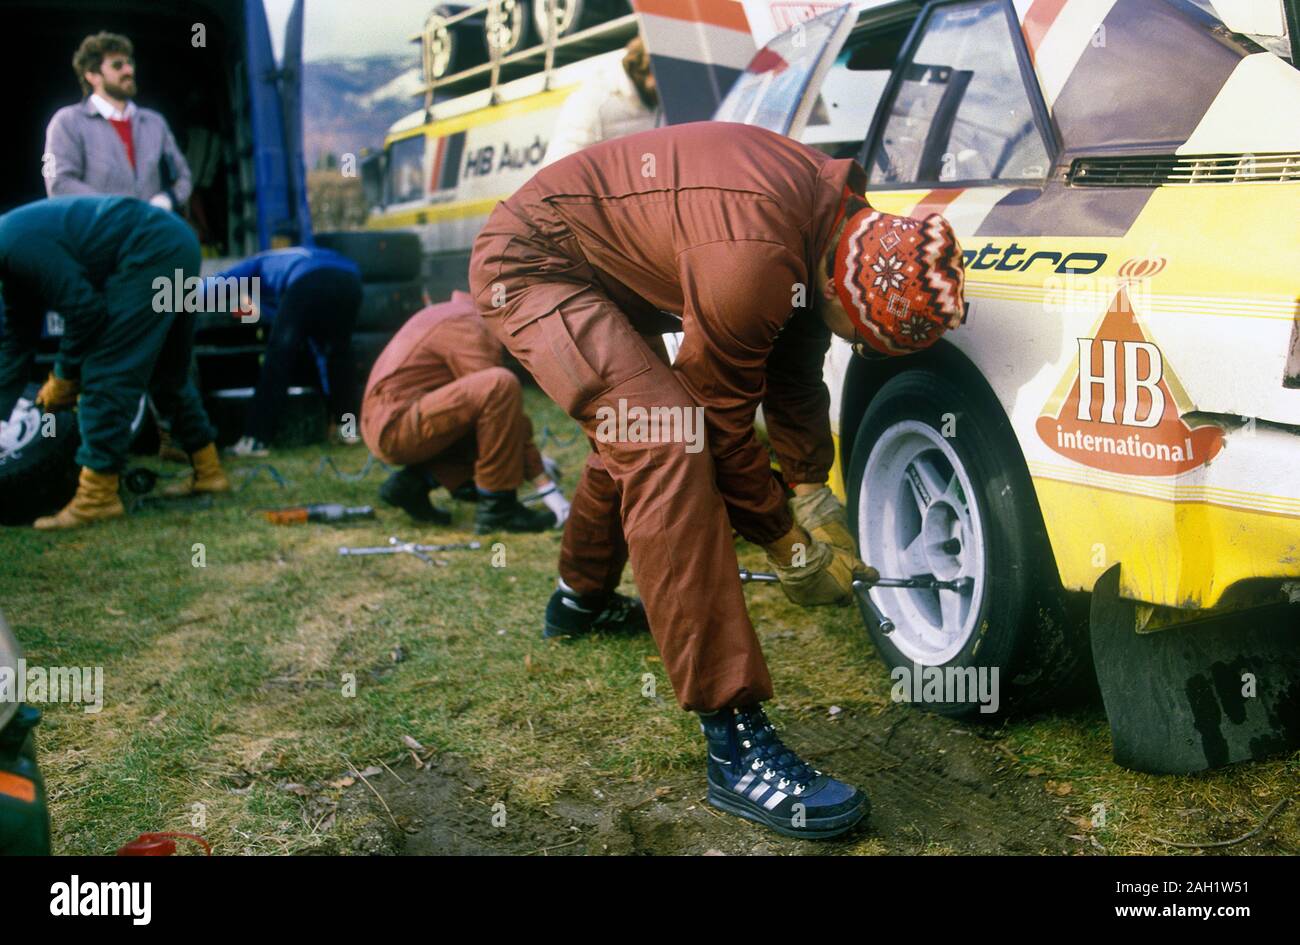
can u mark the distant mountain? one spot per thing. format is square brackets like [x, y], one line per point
[349, 104]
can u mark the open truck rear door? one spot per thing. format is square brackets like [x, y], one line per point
[275, 97]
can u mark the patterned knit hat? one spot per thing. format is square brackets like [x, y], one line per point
[899, 279]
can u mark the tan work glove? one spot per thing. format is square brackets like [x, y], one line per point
[821, 515]
[57, 393]
[826, 576]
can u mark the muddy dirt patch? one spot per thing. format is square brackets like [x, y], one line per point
[936, 786]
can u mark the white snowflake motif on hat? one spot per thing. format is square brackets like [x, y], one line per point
[889, 273]
[916, 328]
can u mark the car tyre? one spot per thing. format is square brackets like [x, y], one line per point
[937, 486]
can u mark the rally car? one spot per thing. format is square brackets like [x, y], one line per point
[1120, 412]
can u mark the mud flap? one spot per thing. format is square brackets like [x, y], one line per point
[1181, 700]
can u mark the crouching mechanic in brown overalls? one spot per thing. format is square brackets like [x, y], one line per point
[764, 247]
[439, 403]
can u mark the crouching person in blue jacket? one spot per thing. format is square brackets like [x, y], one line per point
[307, 295]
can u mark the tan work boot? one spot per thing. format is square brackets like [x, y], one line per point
[168, 451]
[208, 476]
[96, 499]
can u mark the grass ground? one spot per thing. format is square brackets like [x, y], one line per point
[228, 709]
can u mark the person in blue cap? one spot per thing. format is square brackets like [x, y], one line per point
[309, 295]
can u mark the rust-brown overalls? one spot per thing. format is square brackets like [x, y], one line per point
[724, 225]
[439, 398]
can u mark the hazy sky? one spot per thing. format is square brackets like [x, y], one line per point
[352, 27]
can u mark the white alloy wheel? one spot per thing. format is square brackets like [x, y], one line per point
[918, 518]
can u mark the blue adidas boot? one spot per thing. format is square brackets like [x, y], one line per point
[753, 775]
[569, 614]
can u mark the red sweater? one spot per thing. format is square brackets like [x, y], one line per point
[123, 128]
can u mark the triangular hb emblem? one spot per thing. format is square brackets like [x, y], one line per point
[1122, 410]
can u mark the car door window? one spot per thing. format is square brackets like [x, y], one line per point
[961, 111]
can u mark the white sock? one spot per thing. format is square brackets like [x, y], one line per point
[557, 503]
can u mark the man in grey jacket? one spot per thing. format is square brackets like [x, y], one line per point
[108, 145]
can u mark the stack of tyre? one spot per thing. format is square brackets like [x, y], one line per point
[392, 288]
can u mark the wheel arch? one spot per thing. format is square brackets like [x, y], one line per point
[863, 380]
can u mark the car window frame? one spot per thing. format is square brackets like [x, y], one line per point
[1028, 79]
[796, 118]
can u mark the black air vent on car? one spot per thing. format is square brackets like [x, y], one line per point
[1158, 170]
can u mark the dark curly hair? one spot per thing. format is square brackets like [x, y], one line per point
[90, 55]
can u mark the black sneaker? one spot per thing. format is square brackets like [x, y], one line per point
[407, 490]
[502, 512]
[465, 492]
[753, 775]
[572, 615]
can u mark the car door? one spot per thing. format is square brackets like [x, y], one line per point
[962, 131]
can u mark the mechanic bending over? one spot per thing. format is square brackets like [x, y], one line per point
[94, 260]
[764, 247]
[440, 404]
[309, 296]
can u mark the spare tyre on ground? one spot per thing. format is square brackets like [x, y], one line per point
[38, 471]
[38, 463]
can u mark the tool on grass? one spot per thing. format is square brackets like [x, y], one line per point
[861, 588]
[330, 512]
[396, 546]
